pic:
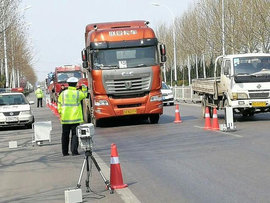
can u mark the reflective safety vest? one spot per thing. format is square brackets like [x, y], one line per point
[69, 105]
[39, 93]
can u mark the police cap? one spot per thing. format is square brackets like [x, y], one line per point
[72, 80]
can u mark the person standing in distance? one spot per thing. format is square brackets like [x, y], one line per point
[39, 95]
[70, 110]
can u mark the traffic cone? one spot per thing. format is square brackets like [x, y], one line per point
[177, 115]
[52, 107]
[215, 124]
[116, 178]
[56, 110]
[207, 125]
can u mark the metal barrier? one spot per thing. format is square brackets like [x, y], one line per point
[185, 93]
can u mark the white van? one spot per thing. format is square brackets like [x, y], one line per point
[167, 94]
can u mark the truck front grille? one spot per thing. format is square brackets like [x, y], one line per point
[259, 95]
[131, 85]
[129, 96]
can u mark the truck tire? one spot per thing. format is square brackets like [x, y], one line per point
[94, 121]
[203, 107]
[248, 113]
[86, 113]
[211, 109]
[154, 118]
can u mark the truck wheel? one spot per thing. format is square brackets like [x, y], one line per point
[247, 113]
[211, 109]
[95, 122]
[154, 118]
[86, 113]
[203, 107]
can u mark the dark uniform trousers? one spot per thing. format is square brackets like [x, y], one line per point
[39, 102]
[66, 128]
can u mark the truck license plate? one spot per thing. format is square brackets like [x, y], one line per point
[129, 111]
[258, 104]
[11, 119]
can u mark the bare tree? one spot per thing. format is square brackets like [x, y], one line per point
[18, 53]
[199, 30]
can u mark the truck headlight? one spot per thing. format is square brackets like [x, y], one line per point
[101, 103]
[239, 96]
[156, 98]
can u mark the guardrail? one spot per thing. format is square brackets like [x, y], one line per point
[185, 94]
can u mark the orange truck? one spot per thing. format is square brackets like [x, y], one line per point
[123, 65]
[60, 77]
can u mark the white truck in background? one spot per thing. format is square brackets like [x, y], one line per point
[240, 81]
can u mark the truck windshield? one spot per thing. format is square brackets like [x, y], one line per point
[125, 57]
[63, 76]
[252, 69]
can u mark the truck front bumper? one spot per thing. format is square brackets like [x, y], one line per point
[129, 106]
[254, 103]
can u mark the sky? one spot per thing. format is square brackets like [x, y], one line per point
[56, 27]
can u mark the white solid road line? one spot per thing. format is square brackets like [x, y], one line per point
[227, 133]
[125, 193]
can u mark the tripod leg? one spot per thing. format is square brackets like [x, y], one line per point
[88, 175]
[80, 178]
[107, 182]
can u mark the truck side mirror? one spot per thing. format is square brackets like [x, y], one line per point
[84, 55]
[162, 49]
[85, 64]
[163, 59]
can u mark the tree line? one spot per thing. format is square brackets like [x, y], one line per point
[15, 52]
[199, 34]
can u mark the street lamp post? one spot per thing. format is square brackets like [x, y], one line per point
[174, 38]
[223, 28]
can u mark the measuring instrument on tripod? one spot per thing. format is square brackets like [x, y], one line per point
[85, 133]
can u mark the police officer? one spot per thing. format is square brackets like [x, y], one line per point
[70, 110]
[39, 95]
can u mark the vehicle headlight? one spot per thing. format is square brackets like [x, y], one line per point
[239, 96]
[101, 103]
[156, 98]
[25, 112]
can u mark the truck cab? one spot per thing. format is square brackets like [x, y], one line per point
[124, 73]
[245, 81]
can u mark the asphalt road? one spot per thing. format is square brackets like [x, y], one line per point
[165, 162]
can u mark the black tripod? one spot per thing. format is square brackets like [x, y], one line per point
[88, 153]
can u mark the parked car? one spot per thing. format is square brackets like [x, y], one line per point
[15, 110]
[167, 94]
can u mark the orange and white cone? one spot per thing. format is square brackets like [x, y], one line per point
[207, 125]
[56, 111]
[177, 115]
[215, 124]
[52, 107]
[116, 178]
